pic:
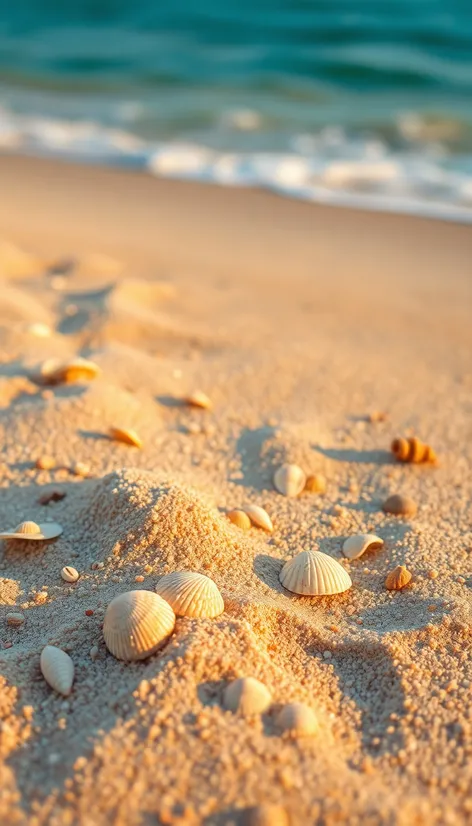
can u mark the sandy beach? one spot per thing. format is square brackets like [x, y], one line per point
[319, 334]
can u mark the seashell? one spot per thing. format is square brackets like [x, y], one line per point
[16, 620]
[199, 399]
[247, 695]
[412, 450]
[57, 669]
[398, 578]
[77, 369]
[81, 469]
[39, 329]
[289, 480]
[30, 530]
[267, 814]
[357, 545]
[124, 434]
[297, 720]
[240, 519]
[259, 517]
[136, 624]
[400, 505]
[316, 483]
[45, 463]
[312, 573]
[191, 595]
[69, 574]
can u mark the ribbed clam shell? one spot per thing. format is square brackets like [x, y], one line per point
[289, 480]
[312, 573]
[259, 517]
[126, 435]
[30, 530]
[57, 669]
[136, 624]
[357, 545]
[191, 595]
[247, 695]
[297, 720]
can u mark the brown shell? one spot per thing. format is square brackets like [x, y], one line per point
[316, 483]
[412, 450]
[398, 578]
[400, 505]
[240, 519]
[125, 435]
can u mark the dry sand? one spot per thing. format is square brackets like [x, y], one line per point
[298, 322]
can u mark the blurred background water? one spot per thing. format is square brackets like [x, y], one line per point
[366, 102]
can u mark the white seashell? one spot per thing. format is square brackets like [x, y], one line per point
[191, 595]
[289, 480]
[126, 435]
[312, 573]
[297, 720]
[357, 545]
[57, 669]
[259, 517]
[30, 530]
[136, 624]
[247, 695]
[199, 399]
[69, 574]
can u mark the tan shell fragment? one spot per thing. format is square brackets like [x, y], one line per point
[77, 369]
[400, 505]
[267, 814]
[259, 517]
[136, 624]
[398, 578]
[413, 450]
[199, 399]
[312, 573]
[126, 435]
[357, 545]
[57, 669]
[45, 463]
[289, 480]
[297, 720]
[247, 696]
[316, 483]
[240, 519]
[31, 531]
[69, 574]
[191, 594]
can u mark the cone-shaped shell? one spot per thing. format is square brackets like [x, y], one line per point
[247, 695]
[289, 480]
[412, 450]
[136, 624]
[77, 369]
[259, 517]
[312, 573]
[126, 435]
[240, 519]
[57, 669]
[297, 720]
[199, 399]
[191, 595]
[398, 578]
[32, 531]
[357, 545]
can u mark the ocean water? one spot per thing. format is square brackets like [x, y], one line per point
[363, 102]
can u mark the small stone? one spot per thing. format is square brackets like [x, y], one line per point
[89, 612]
[400, 505]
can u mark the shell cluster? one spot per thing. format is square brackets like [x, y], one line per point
[412, 450]
[312, 573]
[191, 594]
[136, 624]
[247, 696]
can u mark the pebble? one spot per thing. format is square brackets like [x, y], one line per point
[16, 620]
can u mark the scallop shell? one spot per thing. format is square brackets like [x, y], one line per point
[247, 695]
[77, 369]
[398, 578]
[30, 530]
[289, 480]
[357, 545]
[400, 505]
[259, 517]
[126, 435]
[312, 573]
[136, 624]
[267, 814]
[57, 669]
[69, 574]
[199, 399]
[191, 595]
[297, 720]
[240, 519]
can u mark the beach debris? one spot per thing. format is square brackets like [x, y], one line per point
[81, 469]
[247, 696]
[69, 574]
[38, 329]
[289, 480]
[125, 435]
[15, 619]
[400, 505]
[77, 369]
[259, 517]
[199, 399]
[266, 814]
[191, 594]
[32, 531]
[57, 669]
[240, 519]
[313, 573]
[357, 545]
[136, 624]
[51, 496]
[315, 483]
[45, 463]
[413, 450]
[398, 578]
[297, 720]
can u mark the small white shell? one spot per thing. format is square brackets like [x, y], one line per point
[126, 435]
[312, 573]
[199, 399]
[30, 530]
[289, 480]
[247, 695]
[136, 624]
[191, 595]
[357, 545]
[259, 517]
[69, 574]
[297, 720]
[57, 669]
